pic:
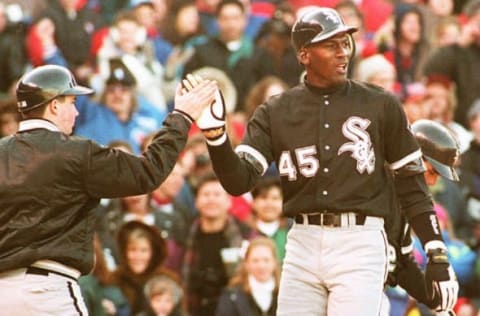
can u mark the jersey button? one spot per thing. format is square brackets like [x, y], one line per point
[325, 192]
[325, 170]
[327, 102]
[326, 125]
[327, 147]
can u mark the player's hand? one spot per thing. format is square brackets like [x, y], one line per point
[440, 278]
[192, 102]
[212, 119]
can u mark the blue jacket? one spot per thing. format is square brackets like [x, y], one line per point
[99, 123]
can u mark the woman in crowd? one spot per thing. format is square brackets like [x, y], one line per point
[253, 290]
[142, 251]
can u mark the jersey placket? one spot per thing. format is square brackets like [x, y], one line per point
[325, 148]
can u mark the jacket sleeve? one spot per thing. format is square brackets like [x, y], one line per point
[111, 173]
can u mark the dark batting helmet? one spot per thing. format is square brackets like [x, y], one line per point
[45, 83]
[439, 146]
[317, 25]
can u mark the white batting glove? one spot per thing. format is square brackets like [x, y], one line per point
[212, 119]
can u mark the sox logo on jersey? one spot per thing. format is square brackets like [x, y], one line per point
[360, 146]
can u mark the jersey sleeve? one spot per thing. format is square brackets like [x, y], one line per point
[239, 170]
[400, 144]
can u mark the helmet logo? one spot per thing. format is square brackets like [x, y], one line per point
[333, 17]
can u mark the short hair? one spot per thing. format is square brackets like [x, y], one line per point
[204, 179]
[224, 3]
[264, 185]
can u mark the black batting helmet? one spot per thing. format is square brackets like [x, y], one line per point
[317, 25]
[439, 146]
[45, 83]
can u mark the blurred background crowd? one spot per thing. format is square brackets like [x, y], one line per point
[189, 248]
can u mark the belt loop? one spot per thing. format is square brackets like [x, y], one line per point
[305, 219]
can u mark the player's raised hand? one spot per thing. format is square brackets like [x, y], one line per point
[212, 118]
[193, 100]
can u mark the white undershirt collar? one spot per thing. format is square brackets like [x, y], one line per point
[36, 124]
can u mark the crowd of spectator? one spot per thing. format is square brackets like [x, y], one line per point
[189, 248]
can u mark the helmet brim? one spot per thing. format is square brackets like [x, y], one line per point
[78, 90]
[444, 170]
[323, 36]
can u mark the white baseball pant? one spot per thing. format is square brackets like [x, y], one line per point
[334, 271]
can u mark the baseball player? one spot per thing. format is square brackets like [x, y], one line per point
[330, 138]
[50, 182]
[440, 150]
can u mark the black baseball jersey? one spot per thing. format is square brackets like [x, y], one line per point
[330, 147]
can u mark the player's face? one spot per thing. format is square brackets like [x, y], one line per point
[139, 254]
[268, 206]
[431, 176]
[66, 114]
[260, 263]
[326, 62]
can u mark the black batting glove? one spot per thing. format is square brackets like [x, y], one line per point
[441, 282]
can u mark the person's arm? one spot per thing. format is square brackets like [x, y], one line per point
[112, 173]
[237, 170]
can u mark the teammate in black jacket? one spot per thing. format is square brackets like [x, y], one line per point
[50, 182]
[330, 138]
[440, 150]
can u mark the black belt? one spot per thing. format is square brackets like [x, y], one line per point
[41, 271]
[332, 219]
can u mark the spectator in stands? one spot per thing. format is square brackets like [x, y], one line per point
[230, 51]
[74, 27]
[142, 251]
[470, 167]
[101, 297]
[275, 55]
[120, 115]
[377, 70]
[439, 94]
[14, 59]
[212, 247]
[183, 30]
[410, 48]
[261, 91]
[458, 63]
[9, 118]
[166, 297]
[208, 9]
[267, 209]
[144, 11]
[254, 288]
[128, 41]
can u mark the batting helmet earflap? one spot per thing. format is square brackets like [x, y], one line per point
[439, 147]
[43, 84]
[317, 25]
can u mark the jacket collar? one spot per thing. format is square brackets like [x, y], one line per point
[31, 124]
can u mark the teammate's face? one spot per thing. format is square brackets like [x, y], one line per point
[326, 62]
[66, 114]
[431, 176]
[260, 263]
[268, 206]
[139, 254]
